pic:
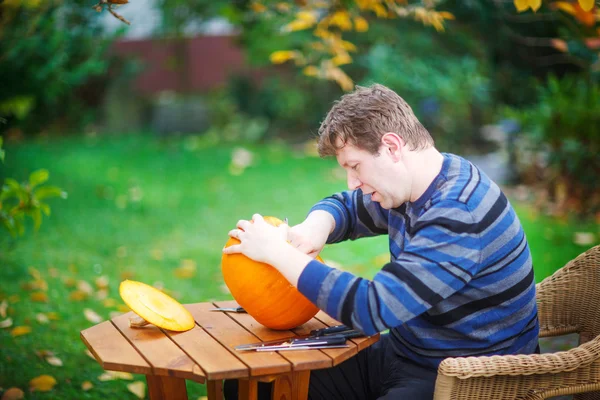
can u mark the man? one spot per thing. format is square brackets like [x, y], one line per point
[460, 279]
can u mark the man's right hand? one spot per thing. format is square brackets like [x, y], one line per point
[311, 235]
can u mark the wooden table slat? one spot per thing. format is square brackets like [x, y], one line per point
[223, 328]
[216, 361]
[112, 350]
[166, 358]
[301, 360]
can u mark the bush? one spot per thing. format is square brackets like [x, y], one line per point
[563, 131]
[49, 51]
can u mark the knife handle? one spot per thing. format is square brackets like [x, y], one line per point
[329, 330]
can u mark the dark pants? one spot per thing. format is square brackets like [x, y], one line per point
[374, 373]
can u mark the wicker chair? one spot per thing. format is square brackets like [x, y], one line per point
[568, 302]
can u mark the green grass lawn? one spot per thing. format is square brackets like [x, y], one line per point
[141, 207]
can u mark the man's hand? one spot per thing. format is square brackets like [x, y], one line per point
[311, 235]
[260, 241]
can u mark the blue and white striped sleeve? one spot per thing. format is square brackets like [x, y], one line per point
[355, 216]
[440, 259]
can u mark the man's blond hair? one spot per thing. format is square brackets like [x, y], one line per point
[362, 117]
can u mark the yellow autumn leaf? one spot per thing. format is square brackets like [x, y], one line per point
[257, 7]
[43, 383]
[360, 24]
[586, 5]
[3, 308]
[446, 15]
[535, 4]
[187, 269]
[41, 297]
[138, 388]
[92, 316]
[341, 19]
[341, 59]
[69, 282]
[281, 56]
[86, 385]
[77, 295]
[108, 302]
[35, 274]
[13, 394]
[521, 5]
[156, 254]
[53, 316]
[310, 70]
[20, 330]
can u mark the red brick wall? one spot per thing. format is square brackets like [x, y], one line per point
[184, 65]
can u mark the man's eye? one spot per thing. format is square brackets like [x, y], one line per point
[355, 167]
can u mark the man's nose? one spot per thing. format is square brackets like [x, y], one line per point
[353, 182]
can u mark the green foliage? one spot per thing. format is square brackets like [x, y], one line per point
[447, 88]
[563, 126]
[19, 200]
[49, 51]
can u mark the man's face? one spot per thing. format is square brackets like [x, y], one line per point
[380, 175]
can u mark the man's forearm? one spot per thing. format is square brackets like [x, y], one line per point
[290, 262]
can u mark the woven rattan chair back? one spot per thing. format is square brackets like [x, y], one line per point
[568, 302]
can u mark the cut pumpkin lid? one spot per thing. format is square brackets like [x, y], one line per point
[155, 306]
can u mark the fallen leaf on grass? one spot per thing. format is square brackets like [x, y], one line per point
[41, 297]
[77, 295]
[584, 238]
[35, 274]
[55, 361]
[138, 388]
[186, 270]
[3, 308]
[109, 302]
[92, 316]
[42, 318]
[156, 254]
[87, 385]
[7, 323]
[85, 287]
[53, 316]
[113, 375]
[43, 383]
[89, 354]
[102, 282]
[69, 282]
[20, 330]
[13, 394]
[101, 294]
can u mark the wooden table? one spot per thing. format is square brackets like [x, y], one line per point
[206, 354]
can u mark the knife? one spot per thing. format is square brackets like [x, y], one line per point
[338, 337]
[291, 343]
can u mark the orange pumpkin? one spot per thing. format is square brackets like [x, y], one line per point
[263, 291]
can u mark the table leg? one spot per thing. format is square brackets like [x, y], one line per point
[166, 388]
[293, 386]
[215, 390]
[247, 389]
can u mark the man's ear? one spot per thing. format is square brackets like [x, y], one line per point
[393, 145]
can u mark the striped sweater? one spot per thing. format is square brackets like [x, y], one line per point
[460, 279]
